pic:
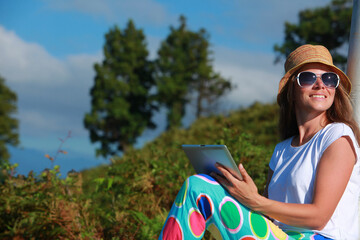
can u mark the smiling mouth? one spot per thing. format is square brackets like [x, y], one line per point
[318, 96]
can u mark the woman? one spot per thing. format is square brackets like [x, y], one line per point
[314, 176]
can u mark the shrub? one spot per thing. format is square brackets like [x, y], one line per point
[130, 198]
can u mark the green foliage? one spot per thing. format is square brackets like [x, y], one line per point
[208, 85]
[184, 67]
[43, 207]
[174, 70]
[136, 192]
[8, 124]
[121, 106]
[328, 26]
[131, 197]
[124, 90]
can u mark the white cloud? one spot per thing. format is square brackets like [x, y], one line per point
[22, 62]
[43, 123]
[81, 67]
[251, 85]
[153, 44]
[255, 76]
[53, 94]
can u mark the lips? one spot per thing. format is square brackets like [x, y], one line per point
[317, 96]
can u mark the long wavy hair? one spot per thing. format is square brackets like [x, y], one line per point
[340, 111]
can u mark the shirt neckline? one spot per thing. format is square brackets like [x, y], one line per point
[310, 140]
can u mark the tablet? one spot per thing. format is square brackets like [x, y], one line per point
[204, 157]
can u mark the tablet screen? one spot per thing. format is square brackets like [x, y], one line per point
[204, 157]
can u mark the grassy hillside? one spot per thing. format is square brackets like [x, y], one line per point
[130, 198]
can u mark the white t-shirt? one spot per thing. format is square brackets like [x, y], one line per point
[294, 176]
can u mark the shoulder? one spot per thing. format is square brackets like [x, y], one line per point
[337, 126]
[334, 131]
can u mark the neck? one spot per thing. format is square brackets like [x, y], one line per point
[308, 126]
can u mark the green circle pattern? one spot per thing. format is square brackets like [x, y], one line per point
[259, 225]
[230, 215]
[295, 235]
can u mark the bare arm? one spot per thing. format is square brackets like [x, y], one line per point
[333, 174]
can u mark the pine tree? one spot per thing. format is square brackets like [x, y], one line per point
[328, 26]
[207, 85]
[184, 68]
[174, 73]
[121, 105]
[8, 124]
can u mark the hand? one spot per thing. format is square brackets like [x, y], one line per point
[245, 191]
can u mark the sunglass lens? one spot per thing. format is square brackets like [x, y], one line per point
[330, 79]
[307, 79]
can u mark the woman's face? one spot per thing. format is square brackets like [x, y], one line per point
[316, 98]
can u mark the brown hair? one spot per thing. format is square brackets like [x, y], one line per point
[340, 111]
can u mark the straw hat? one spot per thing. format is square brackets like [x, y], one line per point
[311, 54]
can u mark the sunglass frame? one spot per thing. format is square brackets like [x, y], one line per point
[321, 77]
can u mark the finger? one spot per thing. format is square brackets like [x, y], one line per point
[233, 173]
[231, 180]
[225, 171]
[243, 172]
[220, 179]
[221, 168]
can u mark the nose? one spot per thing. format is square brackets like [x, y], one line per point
[319, 83]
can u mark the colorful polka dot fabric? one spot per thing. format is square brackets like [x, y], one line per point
[203, 204]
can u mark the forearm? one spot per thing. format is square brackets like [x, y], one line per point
[298, 215]
[327, 190]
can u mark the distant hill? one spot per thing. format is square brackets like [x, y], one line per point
[35, 160]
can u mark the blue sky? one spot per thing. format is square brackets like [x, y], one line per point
[48, 49]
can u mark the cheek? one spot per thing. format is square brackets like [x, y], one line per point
[332, 100]
[332, 96]
[298, 96]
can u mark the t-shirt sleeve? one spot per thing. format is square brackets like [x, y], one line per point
[274, 159]
[337, 131]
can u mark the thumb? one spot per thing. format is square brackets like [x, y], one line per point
[243, 172]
